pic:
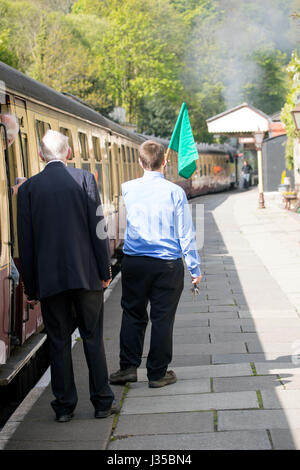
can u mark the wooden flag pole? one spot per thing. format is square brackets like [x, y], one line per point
[167, 154]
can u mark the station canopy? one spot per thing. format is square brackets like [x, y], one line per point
[242, 122]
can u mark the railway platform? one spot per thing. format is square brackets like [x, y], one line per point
[236, 351]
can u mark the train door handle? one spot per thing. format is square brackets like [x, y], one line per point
[28, 307]
[25, 320]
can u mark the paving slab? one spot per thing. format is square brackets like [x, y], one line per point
[277, 399]
[283, 440]
[165, 423]
[199, 359]
[58, 444]
[208, 315]
[281, 369]
[223, 308]
[196, 372]
[262, 337]
[194, 402]
[183, 323]
[246, 440]
[206, 330]
[258, 419]
[266, 313]
[257, 324]
[181, 387]
[206, 348]
[190, 338]
[191, 309]
[286, 348]
[271, 358]
[235, 384]
[291, 383]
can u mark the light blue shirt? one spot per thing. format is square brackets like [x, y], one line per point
[159, 221]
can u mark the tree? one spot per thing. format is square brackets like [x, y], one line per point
[157, 116]
[268, 89]
[21, 21]
[292, 97]
[63, 58]
[6, 53]
[140, 54]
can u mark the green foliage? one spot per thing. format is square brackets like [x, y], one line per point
[149, 56]
[293, 95]
[139, 54]
[6, 54]
[156, 116]
[268, 89]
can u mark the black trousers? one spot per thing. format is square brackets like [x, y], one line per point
[58, 316]
[159, 282]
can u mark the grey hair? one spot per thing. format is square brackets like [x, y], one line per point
[54, 146]
[12, 125]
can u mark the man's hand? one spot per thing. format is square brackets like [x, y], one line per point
[19, 183]
[106, 283]
[196, 280]
[31, 303]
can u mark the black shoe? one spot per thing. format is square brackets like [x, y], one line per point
[168, 379]
[106, 413]
[123, 376]
[65, 417]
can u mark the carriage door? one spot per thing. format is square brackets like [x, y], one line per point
[28, 320]
[5, 283]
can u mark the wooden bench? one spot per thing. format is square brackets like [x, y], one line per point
[288, 199]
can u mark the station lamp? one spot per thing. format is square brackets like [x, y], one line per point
[258, 138]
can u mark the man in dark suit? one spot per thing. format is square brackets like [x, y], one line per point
[65, 263]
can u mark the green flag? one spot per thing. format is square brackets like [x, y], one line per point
[182, 141]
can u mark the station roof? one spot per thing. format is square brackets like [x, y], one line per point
[242, 119]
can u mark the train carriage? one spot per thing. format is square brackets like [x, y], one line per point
[98, 145]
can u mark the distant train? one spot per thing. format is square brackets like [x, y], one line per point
[98, 145]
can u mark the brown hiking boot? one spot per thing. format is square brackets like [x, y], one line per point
[123, 376]
[168, 379]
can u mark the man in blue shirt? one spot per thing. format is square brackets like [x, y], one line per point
[159, 232]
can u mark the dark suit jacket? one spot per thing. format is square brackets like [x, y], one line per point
[58, 245]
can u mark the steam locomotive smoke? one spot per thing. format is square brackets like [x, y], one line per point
[226, 43]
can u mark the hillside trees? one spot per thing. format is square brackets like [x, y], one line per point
[149, 56]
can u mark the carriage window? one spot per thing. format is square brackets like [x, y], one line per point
[68, 133]
[124, 163]
[108, 185]
[117, 163]
[133, 162]
[99, 179]
[200, 169]
[123, 153]
[83, 145]
[209, 167]
[41, 128]
[96, 148]
[24, 152]
[129, 163]
[108, 171]
[205, 170]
